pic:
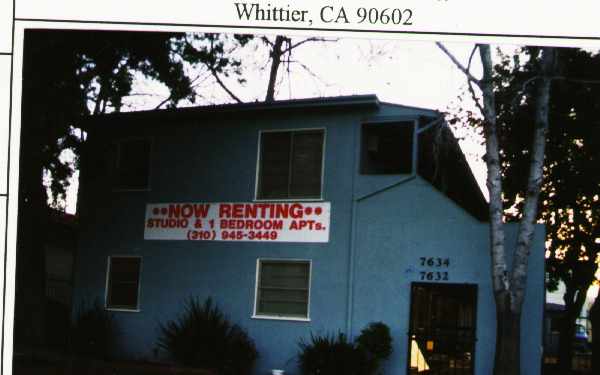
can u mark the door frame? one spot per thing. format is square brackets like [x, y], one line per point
[414, 284]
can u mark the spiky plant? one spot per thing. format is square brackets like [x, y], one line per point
[202, 336]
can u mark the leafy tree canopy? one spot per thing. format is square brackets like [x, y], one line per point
[570, 204]
[570, 191]
[70, 73]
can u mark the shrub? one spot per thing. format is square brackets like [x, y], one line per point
[93, 332]
[331, 355]
[335, 355]
[203, 337]
[376, 341]
[57, 325]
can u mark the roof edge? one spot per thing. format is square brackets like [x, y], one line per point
[316, 102]
[432, 112]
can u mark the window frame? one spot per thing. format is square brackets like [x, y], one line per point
[107, 283]
[258, 159]
[116, 165]
[256, 315]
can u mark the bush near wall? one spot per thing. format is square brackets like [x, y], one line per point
[203, 337]
[376, 341]
[335, 355]
[134, 368]
[93, 333]
[96, 367]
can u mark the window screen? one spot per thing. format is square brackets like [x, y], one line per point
[123, 283]
[387, 148]
[290, 164]
[132, 164]
[283, 288]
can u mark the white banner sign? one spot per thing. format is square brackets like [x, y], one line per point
[264, 221]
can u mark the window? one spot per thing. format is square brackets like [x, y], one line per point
[123, 282]
[290, 164]
[132, 164]
[283, 289]
[387, 148]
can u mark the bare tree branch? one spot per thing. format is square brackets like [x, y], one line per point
[471, 57]
[267, 41]
[576, 80]
[467, 72]
[211, 68]
[192, 85]
[313, 39]
[475, 98]
[139, 94]
[276, 53]
[458, 64]
[218, 79]
[470, 83]
[197, 82]
[313, 74]
[521, 92]
[280, 48]
[529, 81]
[163, 102]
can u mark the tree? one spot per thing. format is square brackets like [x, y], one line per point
[280, 51]
[67, 75]
[570, 204]
[214, 52]
[509, 284]
[595, 316]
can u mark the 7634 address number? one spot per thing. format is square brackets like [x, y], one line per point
[435, 263]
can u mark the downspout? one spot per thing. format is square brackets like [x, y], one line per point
[353, 209]
[354, 214]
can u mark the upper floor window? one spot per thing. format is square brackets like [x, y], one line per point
[132, 164]
[290, 164]
[387, 148]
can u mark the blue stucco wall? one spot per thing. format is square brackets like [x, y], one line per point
[370, 259]
[426, 224]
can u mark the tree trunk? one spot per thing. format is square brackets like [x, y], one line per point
[534, 181]
[33, 214]
[276, 53]
[595, 319]
[32, 222]
[507, 355]
[574, 300]
[509, 291]
[508, 330]
[494, 176]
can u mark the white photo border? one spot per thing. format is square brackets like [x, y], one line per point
[11, 47]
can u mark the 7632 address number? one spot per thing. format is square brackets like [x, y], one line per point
[436, 263]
